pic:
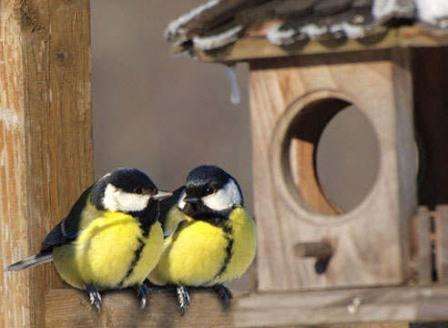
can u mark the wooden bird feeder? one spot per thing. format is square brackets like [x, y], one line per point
[386, 259]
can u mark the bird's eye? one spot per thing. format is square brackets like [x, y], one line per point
[138, 190]
[209, 190]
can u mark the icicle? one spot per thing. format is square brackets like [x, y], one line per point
[235, 97]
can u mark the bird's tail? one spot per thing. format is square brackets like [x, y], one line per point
[31, 261]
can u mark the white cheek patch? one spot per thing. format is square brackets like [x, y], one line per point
[225, 198]
[181, 202]
[119, 200]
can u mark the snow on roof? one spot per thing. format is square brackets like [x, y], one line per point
[218, 23]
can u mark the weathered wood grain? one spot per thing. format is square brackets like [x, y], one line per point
[421, 247]
[68, 307]
[375, 84]
[441, 219]
[406, 151]
[218, 14]
[370, 325]
[46, 148]
[71, 308]
[14, 299]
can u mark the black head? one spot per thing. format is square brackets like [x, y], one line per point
[131, 180]
[210, 192]
[126, 190]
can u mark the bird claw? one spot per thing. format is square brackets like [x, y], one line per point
[224, 294]
[94, 297]
[142, 295]
[183, 299]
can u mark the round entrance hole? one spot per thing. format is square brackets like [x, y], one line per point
[333, 156]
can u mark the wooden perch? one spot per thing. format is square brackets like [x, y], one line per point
[67, 307]
[313, 249]
[321, 251]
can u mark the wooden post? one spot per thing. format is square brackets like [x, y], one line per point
[45, 138]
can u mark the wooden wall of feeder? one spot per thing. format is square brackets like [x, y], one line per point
[293, 118]
[309, 61]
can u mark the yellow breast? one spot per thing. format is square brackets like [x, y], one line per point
[192, 256]
[149, 257]
[243, 246]
[198, 253]
[110, 252]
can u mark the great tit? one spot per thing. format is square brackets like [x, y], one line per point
[212, 239]
[111, 238]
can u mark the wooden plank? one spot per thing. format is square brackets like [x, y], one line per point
[46, 150]
[258, 47]
[14, 302]
[349, 306]
[370, 325]
[421, 247]
[223, 11]
[280, 89]
[68, 307]
[441, 218]
[406, 150]
[71, 308]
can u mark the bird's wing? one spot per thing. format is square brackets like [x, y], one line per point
[170, 216]
[67, 230]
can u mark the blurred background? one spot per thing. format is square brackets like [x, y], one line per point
[162, 114]
[167, 115]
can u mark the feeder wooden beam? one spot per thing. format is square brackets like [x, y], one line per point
[67, 307]
[45, 139]
[256, 47]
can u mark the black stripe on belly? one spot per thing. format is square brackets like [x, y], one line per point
[137, 255]
[227, 229]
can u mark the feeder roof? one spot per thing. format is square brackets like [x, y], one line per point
[236, 30]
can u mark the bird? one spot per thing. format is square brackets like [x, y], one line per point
[210, 237]
[111, 238]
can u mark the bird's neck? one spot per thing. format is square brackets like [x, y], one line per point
[148, 216]
[216, 218]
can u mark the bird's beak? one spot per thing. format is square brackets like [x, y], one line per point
[161, 195]
[192, 200]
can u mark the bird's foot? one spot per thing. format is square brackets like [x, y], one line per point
[183, 299]
[224, 294]
[143, 292]
[94, 296]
